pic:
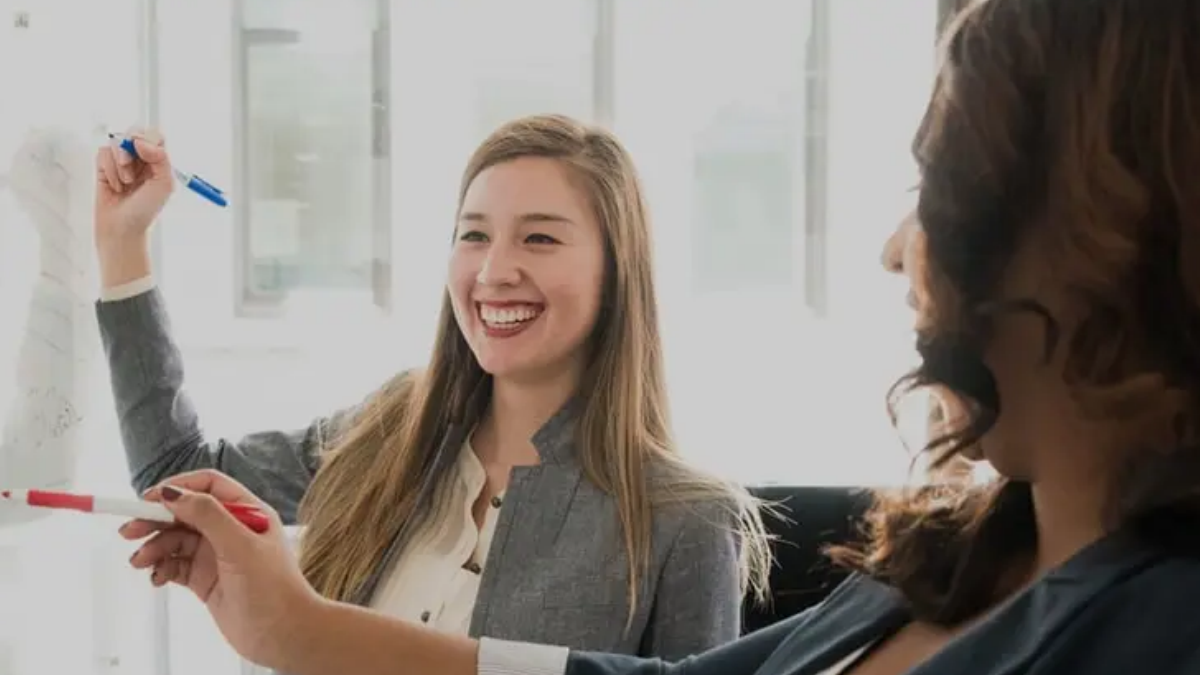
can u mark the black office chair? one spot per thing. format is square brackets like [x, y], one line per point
[812, 517]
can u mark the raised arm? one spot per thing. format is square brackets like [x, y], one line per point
[698, 603]
[159, 426]
[158, 422]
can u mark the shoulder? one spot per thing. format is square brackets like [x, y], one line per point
[692, 508]
[1167, 590]
[684, 492]
[1164, 587]
[1148, 620]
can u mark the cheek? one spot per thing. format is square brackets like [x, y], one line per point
[460, 279]
[576, 290]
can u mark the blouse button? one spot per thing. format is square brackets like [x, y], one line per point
[425, 616]
[496, 502]
[473, 567]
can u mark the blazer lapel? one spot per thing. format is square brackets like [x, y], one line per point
[535, 509]
[551, 487]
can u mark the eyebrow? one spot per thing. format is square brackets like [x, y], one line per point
[535, 217]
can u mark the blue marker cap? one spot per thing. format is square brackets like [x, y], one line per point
[207, 190]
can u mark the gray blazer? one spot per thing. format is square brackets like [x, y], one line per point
[1119, 607]
[557, 570]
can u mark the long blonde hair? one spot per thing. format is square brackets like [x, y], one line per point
[374, 479]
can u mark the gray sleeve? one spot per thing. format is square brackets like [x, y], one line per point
[741, 657]
[159, 426]
[698, 602]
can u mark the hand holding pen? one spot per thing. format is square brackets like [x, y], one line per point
[134, 179]
[251, 583]
[190, 181]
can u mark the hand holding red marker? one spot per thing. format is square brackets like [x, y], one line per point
[250, 583]
[248, 514]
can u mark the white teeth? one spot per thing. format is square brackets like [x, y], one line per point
[507, 315]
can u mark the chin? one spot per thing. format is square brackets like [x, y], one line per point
[505, 368]
[498, 367]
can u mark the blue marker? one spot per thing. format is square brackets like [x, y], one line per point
[190, 181]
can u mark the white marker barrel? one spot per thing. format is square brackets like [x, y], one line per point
[132, 509]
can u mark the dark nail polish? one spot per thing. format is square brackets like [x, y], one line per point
[171, 493]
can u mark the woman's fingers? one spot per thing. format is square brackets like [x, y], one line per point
[107, 171]
[149, 144]
[126, 164]
[150, 135]
[172, 570]
[209, 481]
[140, 529]
[168, 545]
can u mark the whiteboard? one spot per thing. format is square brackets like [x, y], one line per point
[48, 336]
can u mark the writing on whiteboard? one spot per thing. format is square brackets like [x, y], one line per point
[48, 330]
[50, 416]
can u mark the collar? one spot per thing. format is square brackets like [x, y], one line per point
[554, 441]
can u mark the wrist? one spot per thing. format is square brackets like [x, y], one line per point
[305, 641]
[122, 260]
[334, 637]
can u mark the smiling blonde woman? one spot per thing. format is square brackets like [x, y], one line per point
[525, 483]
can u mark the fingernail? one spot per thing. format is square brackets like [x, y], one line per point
[171, 493]
[134, 555]
[121, 529]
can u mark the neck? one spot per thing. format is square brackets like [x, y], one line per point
[1068, 507]
[515, 414]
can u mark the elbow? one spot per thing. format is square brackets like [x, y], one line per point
[189, 455]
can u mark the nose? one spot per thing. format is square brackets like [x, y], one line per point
[500, 268]
[892, 257]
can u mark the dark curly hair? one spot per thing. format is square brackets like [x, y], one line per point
[1080, 119]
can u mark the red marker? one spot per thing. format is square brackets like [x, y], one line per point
[248, 514]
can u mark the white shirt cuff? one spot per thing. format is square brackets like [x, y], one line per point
[127, 290]
[501, 657]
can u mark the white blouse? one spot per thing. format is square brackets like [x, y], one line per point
[845, 664]
[435, 579]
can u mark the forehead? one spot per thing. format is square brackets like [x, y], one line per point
[524, 185]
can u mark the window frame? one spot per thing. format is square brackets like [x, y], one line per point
[252, 303]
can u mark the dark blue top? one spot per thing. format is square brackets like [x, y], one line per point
[1116, 608]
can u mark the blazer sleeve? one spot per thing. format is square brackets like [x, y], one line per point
[741, 657]
[161, 430]
[698, 601]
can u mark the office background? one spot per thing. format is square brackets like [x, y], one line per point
[772, 137]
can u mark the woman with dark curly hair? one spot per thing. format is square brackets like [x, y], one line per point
[1055, 264]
